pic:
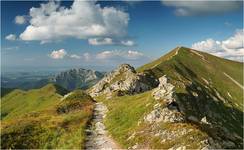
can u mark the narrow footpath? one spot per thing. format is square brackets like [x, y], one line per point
[97, 136]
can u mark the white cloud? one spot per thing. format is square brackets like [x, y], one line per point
[20, 20]
[116, 54]
[231, 48]
[109, 41]
[58, 54]
[208, 45]
[83, 20]
[134, 54]
[75, 56]
[11, 37]
[127, 43]
[100, 41]
[199, 7]
[234, 42]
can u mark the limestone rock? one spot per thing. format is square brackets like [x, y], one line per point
[164, 90]
[204, 120]
[170, 113]
[165, 115]
[125, 80]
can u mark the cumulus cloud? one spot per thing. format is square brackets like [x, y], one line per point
[58, 54]
[199, 7]
[20, 19]
[11, 37]
[231, 48]
[107, 57]
[127, 43]
[109, 41]
[116, 54]
[83, 20]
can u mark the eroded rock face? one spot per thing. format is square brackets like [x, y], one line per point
[168, 113]
[164, 90]
[124, 79]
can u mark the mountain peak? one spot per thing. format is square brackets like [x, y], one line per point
[77, 78]
[125, 68]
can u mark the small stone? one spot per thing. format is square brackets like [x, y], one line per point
[195, 94]
[204, 120]
[135, 146]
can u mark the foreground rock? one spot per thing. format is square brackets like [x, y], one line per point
[124, 80]
[97, 137]
[170, 111]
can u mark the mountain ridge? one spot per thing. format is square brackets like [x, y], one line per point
[186, 99]
[203, 94]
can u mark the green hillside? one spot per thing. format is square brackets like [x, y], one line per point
[206, 86]
[203, 69]
[43, 118]
[19, 102]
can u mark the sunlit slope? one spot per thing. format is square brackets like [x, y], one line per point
[19, 102]
[44, 119]
[188, 65]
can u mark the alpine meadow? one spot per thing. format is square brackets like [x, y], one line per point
[122, 74]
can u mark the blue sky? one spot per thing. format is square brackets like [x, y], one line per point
[144, 31]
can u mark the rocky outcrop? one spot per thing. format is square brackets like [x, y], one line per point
[164, 114]
[165, 90]
[126, 80]
[169, 112]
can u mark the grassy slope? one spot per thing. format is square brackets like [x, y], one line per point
[187, 67]
[126, 117]
[191, 66]
[183, 69]
[46, 123]
[19, 102]
[124, 113]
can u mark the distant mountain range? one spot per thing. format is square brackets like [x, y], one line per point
[77, 78]
[70, 79]
[186, 99]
